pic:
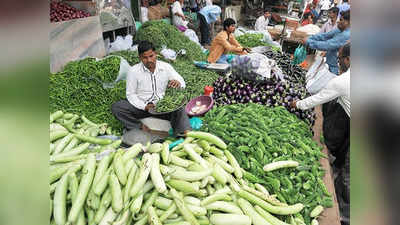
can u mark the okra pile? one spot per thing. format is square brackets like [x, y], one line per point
[93, 181]
[259, 135]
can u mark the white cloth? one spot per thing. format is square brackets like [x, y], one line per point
[338, 87]
[144, 14]
[143, 87]
[208, 2]
[261, 24]
[177, 20]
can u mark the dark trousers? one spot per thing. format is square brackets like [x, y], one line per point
[204, 30]
[130, 117]
[336, 128]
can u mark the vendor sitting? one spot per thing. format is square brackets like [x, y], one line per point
[146, 84]
[225, 42]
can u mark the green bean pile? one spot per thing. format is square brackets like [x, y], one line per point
[160, 33]
[174, 97]
[253, 40]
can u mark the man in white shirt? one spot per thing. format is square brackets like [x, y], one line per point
[146, 84]
[338, 87]
[263, 21]
[332, 22]
[178, 18]
[336, 127]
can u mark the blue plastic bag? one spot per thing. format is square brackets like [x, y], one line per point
[300, 55]
[196, 123]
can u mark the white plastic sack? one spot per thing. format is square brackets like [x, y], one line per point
[310, 29]
[262, 64]
[239, 31]
[192, 36]
[168, 53]
[121, 43]
[318, 61]
[320, 79]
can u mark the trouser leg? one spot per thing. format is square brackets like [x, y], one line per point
[128, 114]
[180, 121]
[204, 30]
[336, 128]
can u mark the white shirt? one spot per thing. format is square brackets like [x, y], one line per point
[338, 87]
[328, 26]
[143, 87]
[177, 20]
[261, 24]
[144, 14]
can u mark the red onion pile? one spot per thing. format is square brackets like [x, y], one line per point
[61, 12]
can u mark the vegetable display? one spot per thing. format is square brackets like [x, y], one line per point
[275, 149]
[271, 92]
[78, 88]
[139, 188]
[254, 40]
[60, 11]
[195, 78]
[162, 34]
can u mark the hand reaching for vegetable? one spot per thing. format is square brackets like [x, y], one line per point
[149, 106]
[174, 84]
[246, 49]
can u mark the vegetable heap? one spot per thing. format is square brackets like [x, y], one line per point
[60, 11]
[197, 182]
[259, 135]
[78, 89]
[173, 99]
[272, 93]
[254, 40]
[160, 33]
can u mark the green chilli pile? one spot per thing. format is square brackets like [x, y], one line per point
[160, 33]
[262, 138]
[93, 181]
[78, 89]
[254, 40]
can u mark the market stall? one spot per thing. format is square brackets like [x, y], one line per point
[250, 158]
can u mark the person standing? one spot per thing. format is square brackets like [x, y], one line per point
[331, 41]
[178, 18]
[207, 15]
[146, 84]
[336, 127]
[332, 22]
[225, 42]
[263, 21]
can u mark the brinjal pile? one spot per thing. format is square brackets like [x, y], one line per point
[271, 92]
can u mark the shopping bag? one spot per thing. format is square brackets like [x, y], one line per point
[318, 62]
[300, 55]
[320, 79]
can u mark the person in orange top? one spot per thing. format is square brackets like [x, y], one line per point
[225, 42]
